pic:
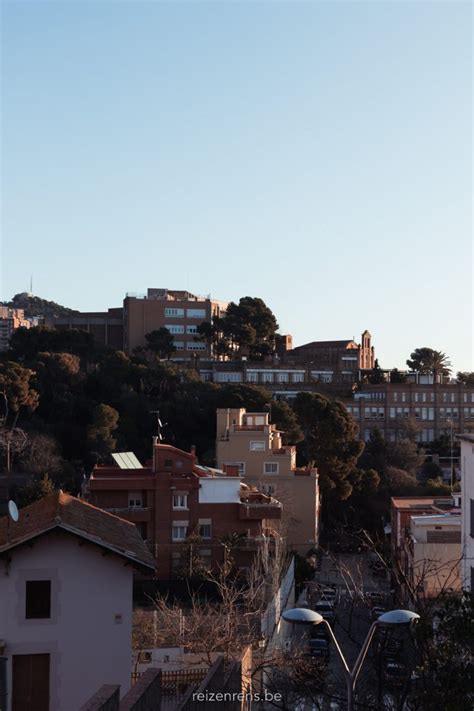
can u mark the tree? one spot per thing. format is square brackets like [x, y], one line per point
[430, 470]
[99, 432]
[161, 343]
[16, 388]
[465, 378]
[427, 360]
[249, 327]
[376, 375]
[397, 377]
[330, 441]
[285, 419]
[34, 490]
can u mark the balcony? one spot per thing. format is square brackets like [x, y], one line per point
[259, 510]
[132, 513]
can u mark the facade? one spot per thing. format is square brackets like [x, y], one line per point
[10, 320]
[66, 602]
[407, 530]
[436, 408]
[248, 441]
[105, 326]
[431, 555]
[467, 487]
[183, 509]
[336, 361]
[179, 311]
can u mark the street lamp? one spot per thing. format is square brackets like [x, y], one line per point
[300, 616]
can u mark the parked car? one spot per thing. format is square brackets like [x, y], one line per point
[326, 610]
[394, 672]
[319, 648]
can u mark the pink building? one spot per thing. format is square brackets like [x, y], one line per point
[66, 602]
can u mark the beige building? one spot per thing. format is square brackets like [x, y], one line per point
[431, 555]
[248, 440]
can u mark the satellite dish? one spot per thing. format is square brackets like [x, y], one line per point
[13, 511]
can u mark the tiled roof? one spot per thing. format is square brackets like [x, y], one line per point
[66, 512]
[326, 344]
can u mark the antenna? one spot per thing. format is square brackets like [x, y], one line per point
[159, 425]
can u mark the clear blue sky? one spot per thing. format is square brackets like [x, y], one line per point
[317, 155]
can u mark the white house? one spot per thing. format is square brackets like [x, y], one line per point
[467, 488]
[66, 572]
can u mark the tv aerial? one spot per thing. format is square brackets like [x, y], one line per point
[160, 424]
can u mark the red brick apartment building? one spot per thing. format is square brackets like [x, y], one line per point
[125, 327]
[174, 497]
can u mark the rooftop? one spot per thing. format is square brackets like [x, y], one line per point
[60, 510]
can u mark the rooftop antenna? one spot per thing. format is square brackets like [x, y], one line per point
[159, 425]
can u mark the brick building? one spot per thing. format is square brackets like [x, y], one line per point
[175, 497]
[105, 326]
[248, 441]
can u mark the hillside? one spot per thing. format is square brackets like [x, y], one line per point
[35, 306]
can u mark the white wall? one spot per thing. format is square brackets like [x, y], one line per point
[467, 490]
[88, 647]
[225, 490]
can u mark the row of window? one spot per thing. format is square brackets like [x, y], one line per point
[178, 328]
[268, 467]
[179, 531]
[278, 377]
[190, 346]
[190, 313]
[419, 413]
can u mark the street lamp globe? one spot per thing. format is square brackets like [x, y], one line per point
[302, 616]
[398, 617]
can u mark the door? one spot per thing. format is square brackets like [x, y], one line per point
[30, 688]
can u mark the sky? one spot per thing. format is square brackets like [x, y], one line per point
[317, 155]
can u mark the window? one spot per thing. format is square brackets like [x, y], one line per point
[395, 397]
[191, 329]
[179, 345]
[417, 413]
[257, 446]
[355, 411]
[179, 313]
[404, 397]
[270, 468]
[268, 489]
[252, 377]
[38, 599]
[392, 413]
[196, 313]
[367, 413]
[445, 397]
[174, 328]
[196, 346]
[135, 500]
[298, 377]
[283, 377]
[205, 530]
[267, 377]
[179, 531]
[180, 501]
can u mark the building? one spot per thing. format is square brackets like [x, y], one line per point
[66, 602]
[125, 328]
[105, 326]
[184, 510]
[436, 408]
[336, 361]
[467, 487]
[179, 311]
[412, 541]
[10, 320]
[248, 441]
[431, 555]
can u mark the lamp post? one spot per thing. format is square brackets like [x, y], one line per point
[300, 616]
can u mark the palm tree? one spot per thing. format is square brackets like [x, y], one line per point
[427, 360]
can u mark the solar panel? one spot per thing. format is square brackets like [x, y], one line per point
[126, 460]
